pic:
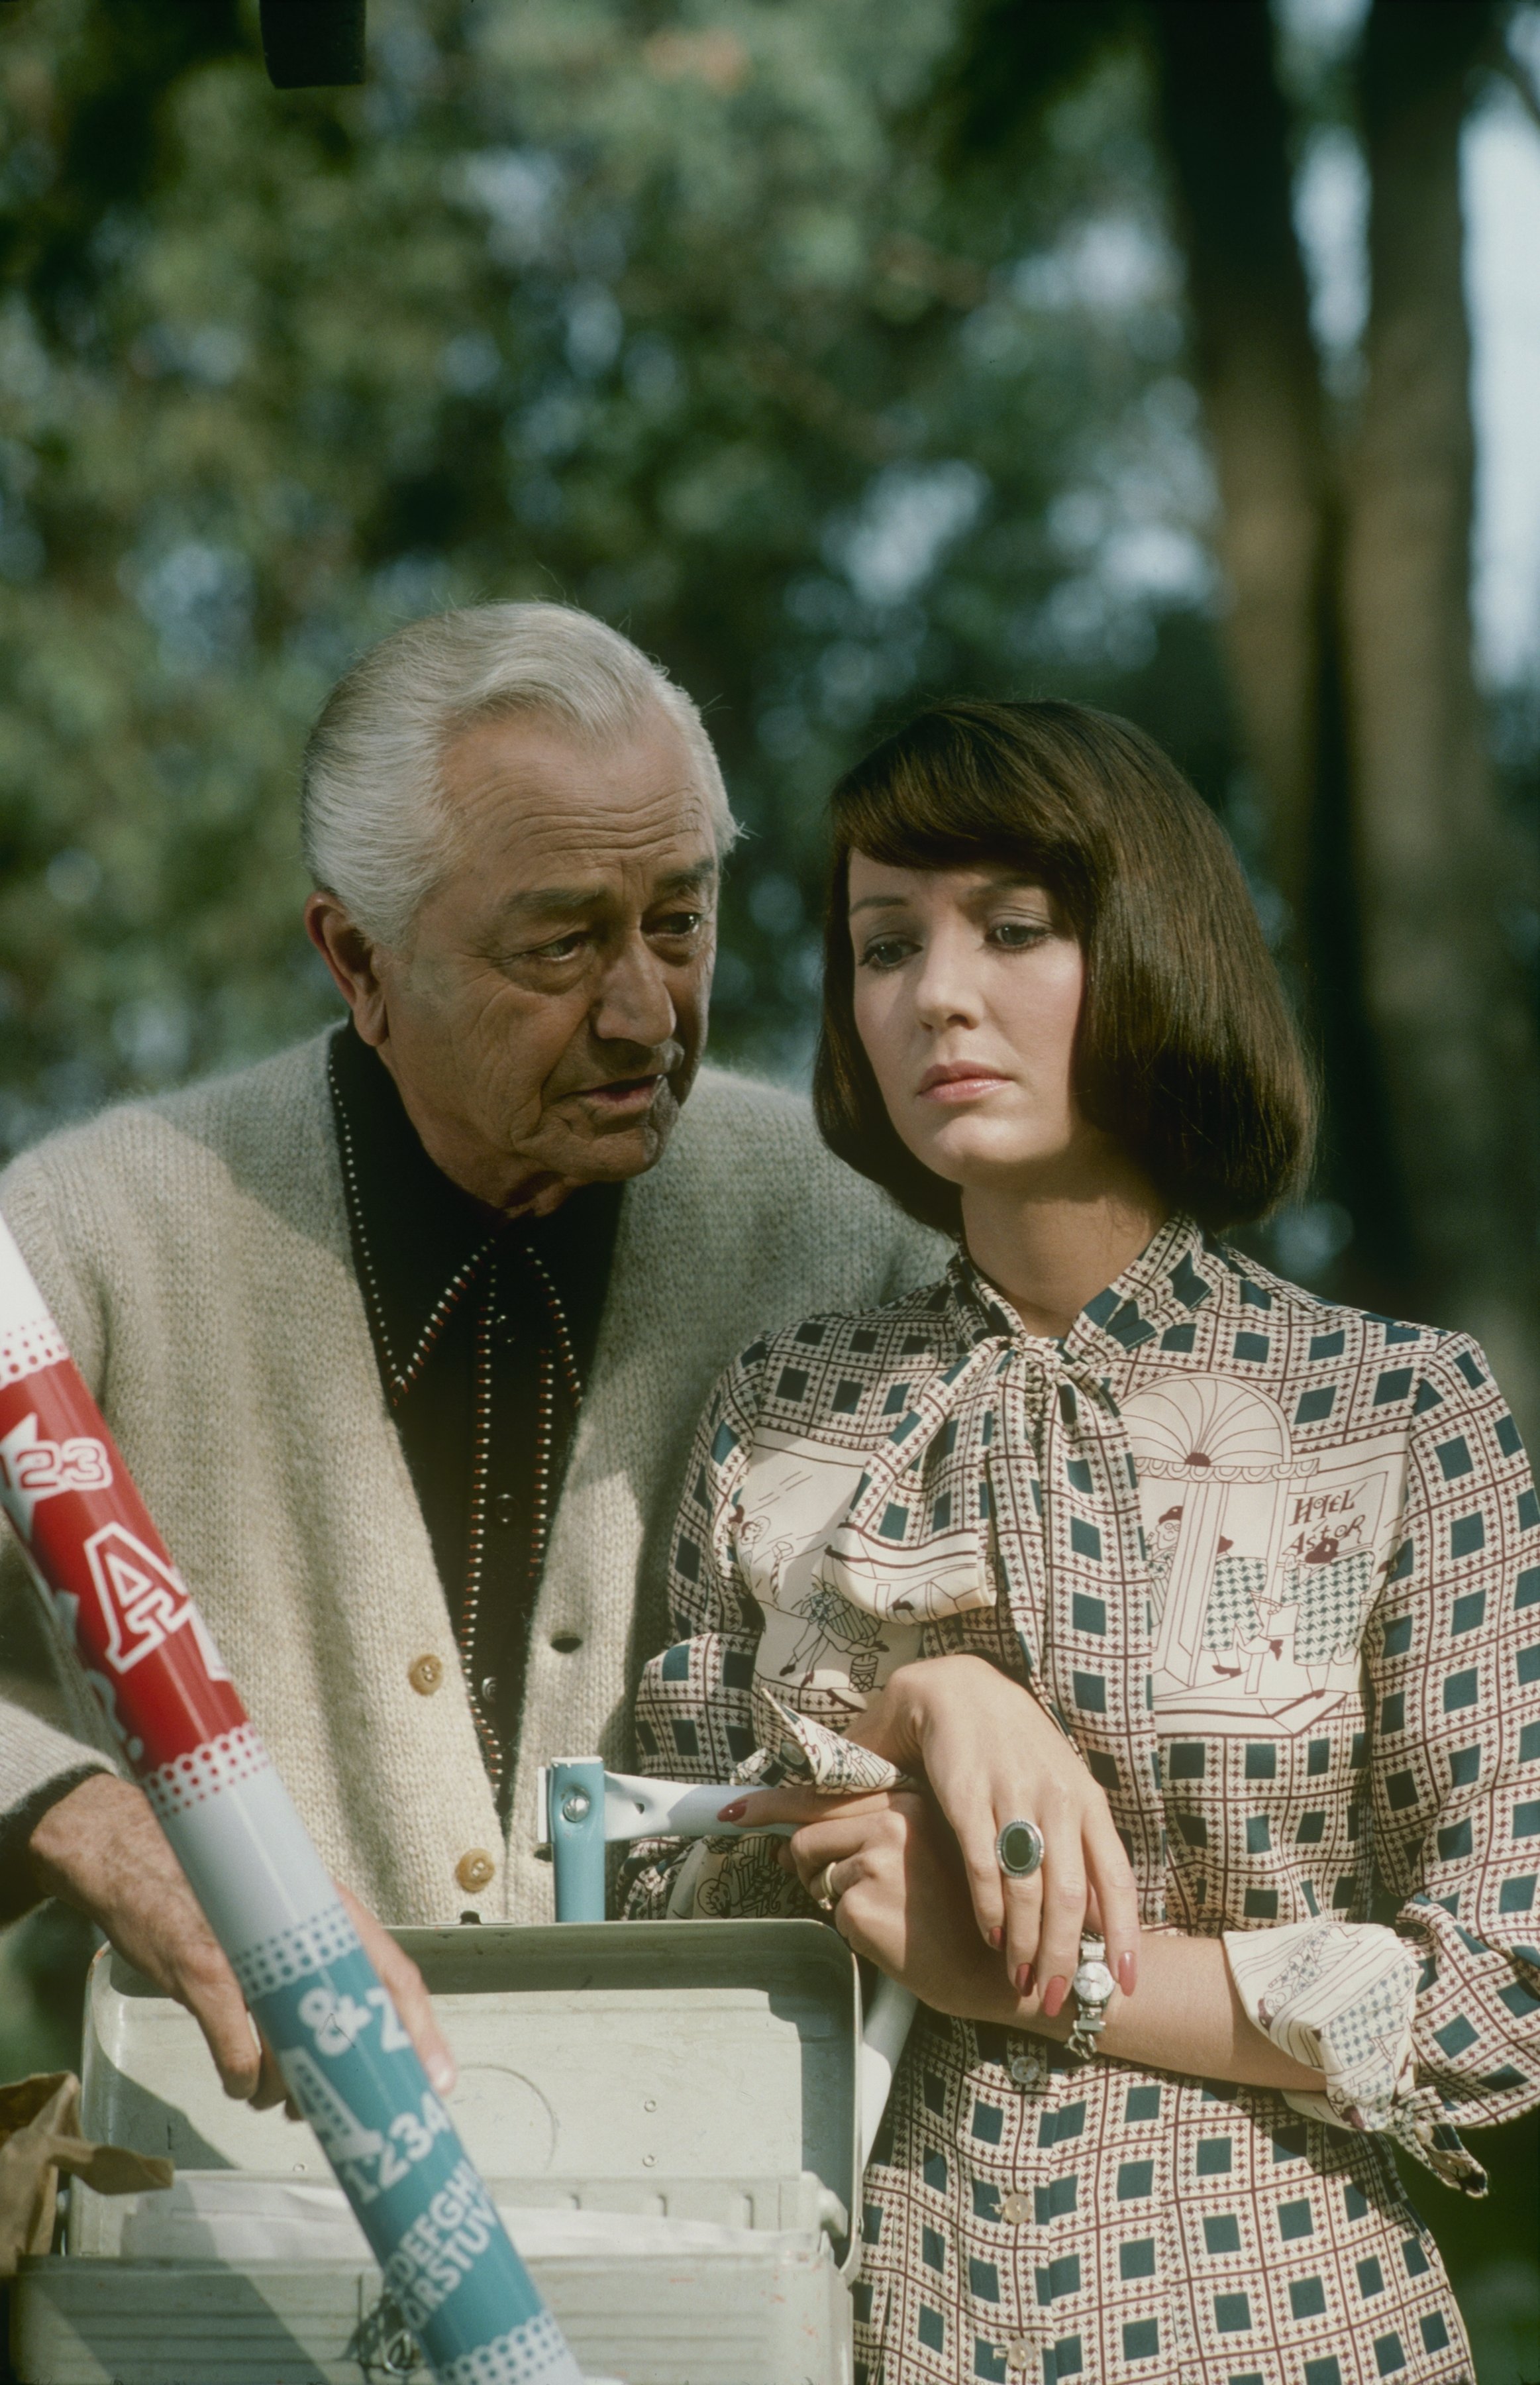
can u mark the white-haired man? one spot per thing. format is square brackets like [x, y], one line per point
[403, 1333]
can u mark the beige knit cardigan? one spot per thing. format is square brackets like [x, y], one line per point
[194, 1251]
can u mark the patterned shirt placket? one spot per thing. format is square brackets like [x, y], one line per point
[1011, 1482]
[1099, 1591]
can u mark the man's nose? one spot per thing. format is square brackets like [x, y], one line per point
[635, 1005]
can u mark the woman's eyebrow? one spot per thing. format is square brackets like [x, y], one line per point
[991, 884]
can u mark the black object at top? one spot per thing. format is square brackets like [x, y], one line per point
[467, 1339]
[307, 42]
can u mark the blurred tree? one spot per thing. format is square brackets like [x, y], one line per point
[669, 315]
[1345, 538]
[1435, 857]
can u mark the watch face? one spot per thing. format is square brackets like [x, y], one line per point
[1094, 1983]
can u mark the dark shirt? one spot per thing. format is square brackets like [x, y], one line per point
[484, 1329]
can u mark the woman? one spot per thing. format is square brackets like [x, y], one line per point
[1232, 1595]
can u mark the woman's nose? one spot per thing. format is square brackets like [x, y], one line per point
[946, 991]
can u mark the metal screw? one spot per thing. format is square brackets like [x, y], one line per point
[576, 1805]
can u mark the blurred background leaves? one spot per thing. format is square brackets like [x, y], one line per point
[841, 354]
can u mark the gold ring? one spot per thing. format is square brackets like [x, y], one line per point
[822, 1891]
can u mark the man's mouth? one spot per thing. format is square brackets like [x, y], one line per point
[624, 1096]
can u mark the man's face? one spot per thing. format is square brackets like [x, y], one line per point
[545, 1017]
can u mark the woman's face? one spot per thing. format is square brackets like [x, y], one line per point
[968, 985]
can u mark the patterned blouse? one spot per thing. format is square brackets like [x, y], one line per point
[1276, 1567]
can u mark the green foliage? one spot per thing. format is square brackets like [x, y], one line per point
[681, 321]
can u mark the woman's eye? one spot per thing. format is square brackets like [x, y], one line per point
[1019, 935]
[886, 952]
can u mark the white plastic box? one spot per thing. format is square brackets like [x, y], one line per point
[699, 2072]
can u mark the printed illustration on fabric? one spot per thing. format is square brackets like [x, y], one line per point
[1264, 1558]
[842, 1610]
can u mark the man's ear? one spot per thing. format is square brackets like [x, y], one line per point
[351, 956]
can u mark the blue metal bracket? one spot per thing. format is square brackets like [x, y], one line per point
[574, 1818]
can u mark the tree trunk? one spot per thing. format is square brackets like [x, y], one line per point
[1448, 1010]
[1227, 132]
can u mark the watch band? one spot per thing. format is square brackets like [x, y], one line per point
[1094, 1986]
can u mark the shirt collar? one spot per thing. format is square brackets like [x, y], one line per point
[419, 1236]
[418, 1228]
[1176, 1274]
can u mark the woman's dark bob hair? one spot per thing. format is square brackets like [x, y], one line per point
[1185, 1052]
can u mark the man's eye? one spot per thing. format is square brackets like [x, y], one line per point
[679, 923]
[886, 952]
[561, 948]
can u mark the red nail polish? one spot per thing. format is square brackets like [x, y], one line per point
[1053, 1996]
[996, 1939]
[735, 1812]
[1025, 1979]
[1128, 1972]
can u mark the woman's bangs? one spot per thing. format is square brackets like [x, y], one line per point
[947, 816]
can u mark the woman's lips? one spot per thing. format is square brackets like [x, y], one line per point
[959, 1081]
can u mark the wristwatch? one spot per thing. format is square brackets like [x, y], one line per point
[1093, 1984]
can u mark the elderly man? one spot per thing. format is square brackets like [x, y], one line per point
[403, 1333]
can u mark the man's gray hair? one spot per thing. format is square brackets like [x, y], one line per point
[377, 830]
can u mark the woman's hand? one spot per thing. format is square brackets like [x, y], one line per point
[992, 1755]
[889, 1864]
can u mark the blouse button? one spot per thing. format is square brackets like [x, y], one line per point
[424, 1673]
[475, 1870]
[1016, 2208]
[1027, 2069]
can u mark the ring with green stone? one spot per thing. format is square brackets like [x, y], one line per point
[1019, 1849]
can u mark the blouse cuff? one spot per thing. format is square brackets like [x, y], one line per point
[739, 1877]
[1339, 1997]
[795, 1749]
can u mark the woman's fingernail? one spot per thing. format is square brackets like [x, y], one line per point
[1128, 1971]
[442, 2075]
[1053, 1996]
[735, 1812]
[996, 1939]
[1025, 1979]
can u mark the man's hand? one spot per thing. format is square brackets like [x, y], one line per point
[102, 1850]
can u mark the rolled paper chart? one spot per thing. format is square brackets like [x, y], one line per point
[126, 1613]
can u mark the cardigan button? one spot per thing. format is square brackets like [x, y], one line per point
[475, 1870]
[424, 1673]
